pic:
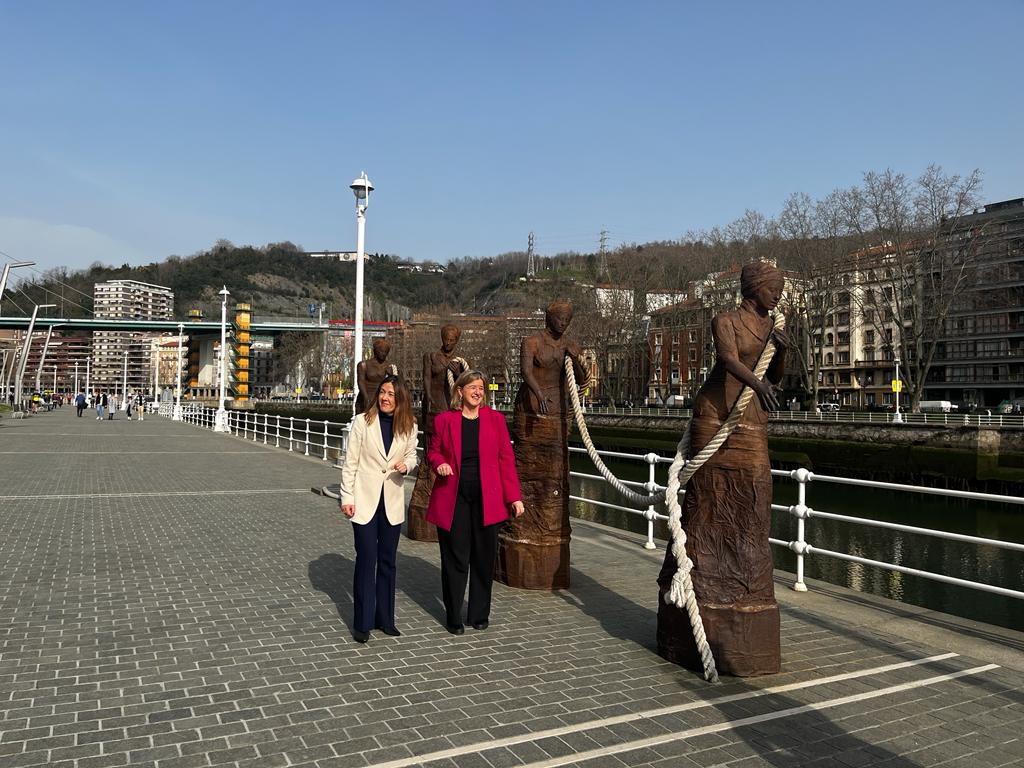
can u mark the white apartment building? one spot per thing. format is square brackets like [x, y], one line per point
[114, 351]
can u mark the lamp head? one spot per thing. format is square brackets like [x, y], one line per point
[224, 293]
[362, 188]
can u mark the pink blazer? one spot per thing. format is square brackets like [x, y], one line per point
[498, 477]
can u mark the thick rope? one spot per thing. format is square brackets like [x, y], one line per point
[618, 485]
[681, 592]
[451, 377]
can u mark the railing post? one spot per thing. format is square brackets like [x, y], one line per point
[277, 432]
[307, 437]
[291, 431]
[652, 462]
[802, 476]
[325, 439]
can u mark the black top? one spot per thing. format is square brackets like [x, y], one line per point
[387, 429]
[469, 470]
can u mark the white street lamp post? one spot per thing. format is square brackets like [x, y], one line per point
[88, 369]
[221, 420]
[361, 187]
[76, 379]
[54, 378]
[177, 389]
[897, 385]
[42, 358]
[23, 363]
[7, 270]
[124, 385]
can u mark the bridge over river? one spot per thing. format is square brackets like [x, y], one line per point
[174, 597]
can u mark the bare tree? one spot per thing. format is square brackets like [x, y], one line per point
[915, 258]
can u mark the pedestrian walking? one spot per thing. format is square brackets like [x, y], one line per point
[140, 407]
[101, 404]
[80, 403]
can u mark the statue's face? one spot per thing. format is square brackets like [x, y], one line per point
[449, 338]
[380, 350]
[558, 320]
[770, 294]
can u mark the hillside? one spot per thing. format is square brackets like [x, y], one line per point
[278, 279]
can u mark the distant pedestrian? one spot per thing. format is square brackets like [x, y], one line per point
[140, 407]
[101, 403]
[80, 403]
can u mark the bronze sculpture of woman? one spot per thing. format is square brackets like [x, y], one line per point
[533, 549]
[727, 508]
[371, 372]
[437, 366]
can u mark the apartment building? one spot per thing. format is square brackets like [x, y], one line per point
[979, 358]
[127, 355]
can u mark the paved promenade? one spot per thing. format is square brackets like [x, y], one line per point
[176, 598]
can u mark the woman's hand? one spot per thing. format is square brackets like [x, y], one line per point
[518, 508]
[349, 510]
[766, 394]
[399, 466]
[445, 470]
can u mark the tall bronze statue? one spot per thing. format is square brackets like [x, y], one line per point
[727, 508]
[533, 550]
[437, 366]
[371, 372]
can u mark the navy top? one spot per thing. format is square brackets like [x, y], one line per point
[387, 429]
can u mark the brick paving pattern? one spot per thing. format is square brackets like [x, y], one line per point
[175, 598]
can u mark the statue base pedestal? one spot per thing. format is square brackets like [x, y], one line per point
[744, 639]
[416, 526]
[532, 566]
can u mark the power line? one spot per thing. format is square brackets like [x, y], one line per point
[59, 282]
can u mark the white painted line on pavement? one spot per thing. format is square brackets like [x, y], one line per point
[240, 492]
[651, 713]
[654, 741]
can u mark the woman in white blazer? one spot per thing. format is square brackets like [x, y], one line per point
[381, 452]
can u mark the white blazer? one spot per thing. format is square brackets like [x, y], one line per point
[367, 470]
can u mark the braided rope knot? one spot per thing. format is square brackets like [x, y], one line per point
[451, 377]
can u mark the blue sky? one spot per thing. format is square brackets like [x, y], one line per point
[132, 131]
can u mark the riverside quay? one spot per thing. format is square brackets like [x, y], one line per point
[177, 597]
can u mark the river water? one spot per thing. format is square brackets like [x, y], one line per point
[989, 565]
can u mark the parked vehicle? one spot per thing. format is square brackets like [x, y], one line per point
[828, 407]
[935, 406]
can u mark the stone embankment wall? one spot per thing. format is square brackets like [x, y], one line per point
[978, 458]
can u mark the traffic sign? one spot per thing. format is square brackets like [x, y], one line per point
[897, 385]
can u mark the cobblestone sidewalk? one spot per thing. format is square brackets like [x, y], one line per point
[171, 597]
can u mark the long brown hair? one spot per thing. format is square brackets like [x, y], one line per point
[466, 377]
[405, 422]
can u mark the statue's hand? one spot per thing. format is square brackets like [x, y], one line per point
[572, 349]
[782, 339]
[542, 404]
[766, 394]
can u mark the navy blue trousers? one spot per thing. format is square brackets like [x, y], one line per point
[373, 586]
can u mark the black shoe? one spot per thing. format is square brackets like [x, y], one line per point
[360, 637]
[481, 624]
[390, 631]
[457, 630]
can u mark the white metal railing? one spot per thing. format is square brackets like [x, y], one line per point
[953, 419]
[327, 438]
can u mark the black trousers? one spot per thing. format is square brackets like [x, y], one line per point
[373, 585]
[80, 409]
[467, 553]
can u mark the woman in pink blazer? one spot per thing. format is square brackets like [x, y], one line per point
[476, 485]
